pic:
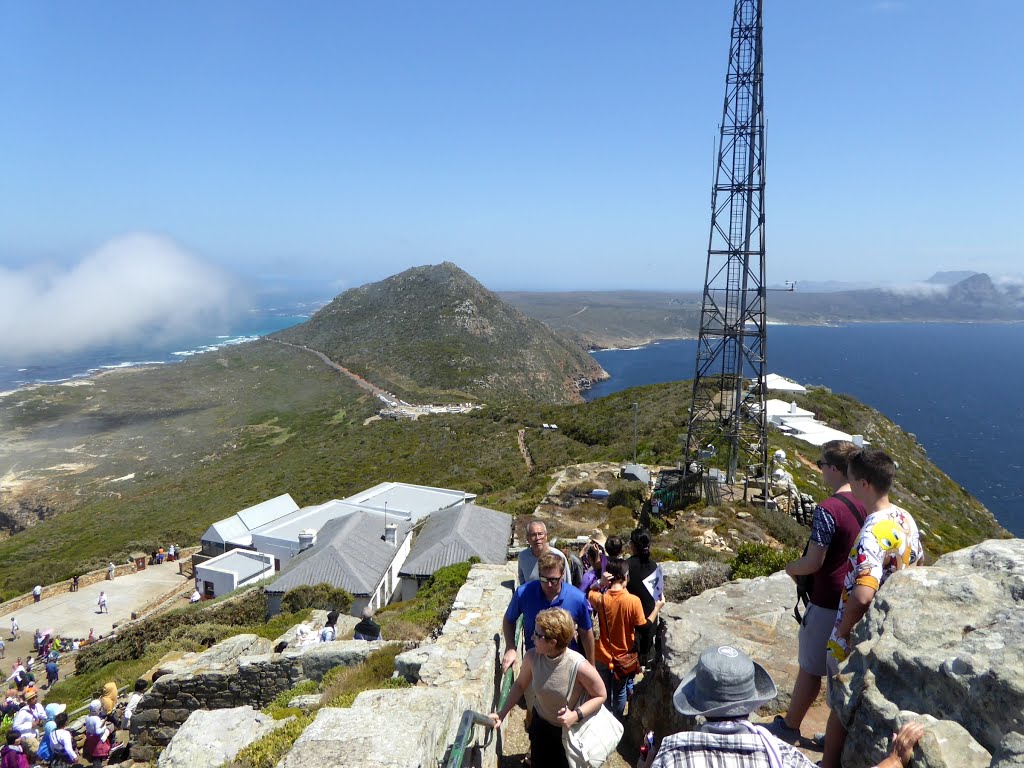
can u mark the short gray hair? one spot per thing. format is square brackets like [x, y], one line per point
[367, 612]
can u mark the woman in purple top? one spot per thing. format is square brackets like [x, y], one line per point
[594, 560]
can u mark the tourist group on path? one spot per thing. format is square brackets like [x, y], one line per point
[590, 627]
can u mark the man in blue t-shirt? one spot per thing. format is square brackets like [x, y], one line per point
[548, 591]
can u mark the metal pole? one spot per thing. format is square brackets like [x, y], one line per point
[636, 408]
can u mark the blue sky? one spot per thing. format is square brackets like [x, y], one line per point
[536, 144]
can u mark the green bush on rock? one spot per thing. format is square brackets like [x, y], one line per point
[755, 559]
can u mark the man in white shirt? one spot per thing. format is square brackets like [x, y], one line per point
[537, 537]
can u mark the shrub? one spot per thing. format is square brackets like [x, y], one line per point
[781, 526]
[620, 519]
[341, 685]
[755, 559]
[279, 709]
[322, 597]
[687, 585]
[426, 613]
[695, 551]
[628, 494]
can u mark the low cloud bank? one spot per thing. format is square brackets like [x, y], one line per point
[918, 290]
[134, 289]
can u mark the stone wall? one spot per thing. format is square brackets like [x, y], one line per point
[239, 671]
[942, 641]
[458, 672]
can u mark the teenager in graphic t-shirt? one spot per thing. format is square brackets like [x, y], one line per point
[888, 542]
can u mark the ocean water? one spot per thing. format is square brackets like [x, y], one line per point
[248, 327]
[958, 387]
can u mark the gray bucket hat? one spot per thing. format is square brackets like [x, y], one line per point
[724, 682]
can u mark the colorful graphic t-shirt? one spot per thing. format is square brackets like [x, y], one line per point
[888, 542]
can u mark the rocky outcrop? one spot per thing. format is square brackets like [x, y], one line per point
[407, 728]
[946, 641]
[755, 615]
[211, 739]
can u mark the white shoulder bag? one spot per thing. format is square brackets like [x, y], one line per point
[589, 742]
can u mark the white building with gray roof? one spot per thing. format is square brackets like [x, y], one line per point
[235, 532]
[453, 536]
[357, 553]
[237, 568]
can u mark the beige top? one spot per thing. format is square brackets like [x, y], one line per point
[551, 683]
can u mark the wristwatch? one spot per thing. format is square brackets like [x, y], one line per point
[579, 714]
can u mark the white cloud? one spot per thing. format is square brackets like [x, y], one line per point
[132, 289]
[919, 290]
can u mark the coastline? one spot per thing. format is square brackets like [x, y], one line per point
[637, 344]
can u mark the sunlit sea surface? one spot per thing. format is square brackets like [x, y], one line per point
[958, 387]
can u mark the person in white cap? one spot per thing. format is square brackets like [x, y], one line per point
[724, 687]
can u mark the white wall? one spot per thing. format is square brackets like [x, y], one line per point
[225, 580]
[282, 550]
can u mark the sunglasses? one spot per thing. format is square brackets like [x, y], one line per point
[549, 580]
[539, 636]
[822, 463]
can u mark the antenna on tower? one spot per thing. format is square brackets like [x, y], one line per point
[727, 419]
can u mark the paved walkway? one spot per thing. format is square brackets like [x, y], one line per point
[73, 614]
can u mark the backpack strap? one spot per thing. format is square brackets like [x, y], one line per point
[852, 507]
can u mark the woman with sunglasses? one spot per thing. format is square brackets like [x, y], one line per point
[545, 673]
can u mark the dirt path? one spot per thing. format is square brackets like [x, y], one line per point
[523, 449]
[372, 388]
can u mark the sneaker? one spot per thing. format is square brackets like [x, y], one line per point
[818, 740]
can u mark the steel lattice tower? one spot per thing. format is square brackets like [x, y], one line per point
[727, 410]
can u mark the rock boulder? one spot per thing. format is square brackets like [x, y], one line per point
[943, 640]
[211, 739]
[755, 615]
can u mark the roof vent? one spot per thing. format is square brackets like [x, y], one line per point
[307, 539]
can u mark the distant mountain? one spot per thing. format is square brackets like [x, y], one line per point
[625, 318]
[436, 331]
[950, 278]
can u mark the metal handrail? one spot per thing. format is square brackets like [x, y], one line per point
[509, 675]
[470, 719]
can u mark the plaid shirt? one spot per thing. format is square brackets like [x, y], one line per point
[724, 745]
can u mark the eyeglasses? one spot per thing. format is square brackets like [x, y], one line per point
[822, 463]
[539, 636]
[549, 580]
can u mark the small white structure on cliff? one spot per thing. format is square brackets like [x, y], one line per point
[226, 573]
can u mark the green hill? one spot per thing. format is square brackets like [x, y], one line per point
[435, 332]
[222, 431]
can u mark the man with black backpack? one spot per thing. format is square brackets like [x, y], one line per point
[819, 574]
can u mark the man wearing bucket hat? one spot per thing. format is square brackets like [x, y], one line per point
[724, 687]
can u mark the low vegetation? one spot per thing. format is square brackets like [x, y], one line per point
[425, 614]
[692, 583]
[755, 559]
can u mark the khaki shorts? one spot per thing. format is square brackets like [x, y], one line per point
[831, 670]
[814, 632]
